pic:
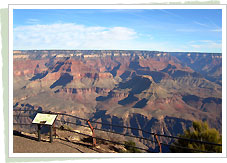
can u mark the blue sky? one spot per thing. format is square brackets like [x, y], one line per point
[198, 30]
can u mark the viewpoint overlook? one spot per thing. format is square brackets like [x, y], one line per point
[161, 92]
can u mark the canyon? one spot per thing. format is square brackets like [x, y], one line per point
[161, 92]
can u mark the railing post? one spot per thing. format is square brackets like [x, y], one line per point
[159, 144]
[93, 134]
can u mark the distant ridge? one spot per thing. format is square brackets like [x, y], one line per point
[161, 92]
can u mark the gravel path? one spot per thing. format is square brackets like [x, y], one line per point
[29, 144]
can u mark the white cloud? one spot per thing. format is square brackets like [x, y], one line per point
[71, 36]
[198, 30]
[217, 30]
[205, 44]
[32, 21]
[201, 24]
[196, 46]
[74, 36]
[187, 30]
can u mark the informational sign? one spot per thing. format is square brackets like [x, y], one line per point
[45, 119]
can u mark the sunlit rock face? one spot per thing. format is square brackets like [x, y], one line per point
[155, 91]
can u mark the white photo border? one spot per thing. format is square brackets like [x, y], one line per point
[115, 155]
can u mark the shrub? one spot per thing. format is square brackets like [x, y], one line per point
[200, 131]
[66, 127]
[130, 147]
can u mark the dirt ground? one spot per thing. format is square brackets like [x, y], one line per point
[27, 143]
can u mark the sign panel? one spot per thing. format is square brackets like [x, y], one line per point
[45, 119]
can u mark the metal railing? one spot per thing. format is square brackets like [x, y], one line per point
[90, 122]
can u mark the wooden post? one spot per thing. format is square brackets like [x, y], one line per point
[93, 134]
[55, 133]
[39, 127]
[51, 134]
[159, 144]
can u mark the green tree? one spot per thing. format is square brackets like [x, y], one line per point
[199, 131]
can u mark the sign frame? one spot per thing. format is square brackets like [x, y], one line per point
[45, 119]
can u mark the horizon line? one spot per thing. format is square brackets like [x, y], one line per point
[114, 50]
